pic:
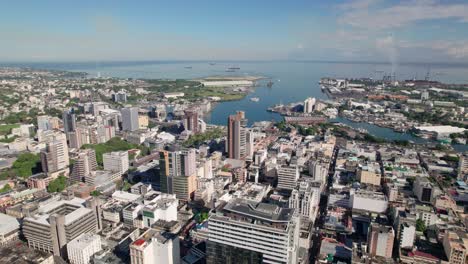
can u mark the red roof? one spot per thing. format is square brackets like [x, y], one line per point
[139, 242]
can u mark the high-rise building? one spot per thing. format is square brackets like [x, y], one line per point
[69, 121]
[305, 199]
[155, 247]
[57, 223]
[236, 140]
[309, 104]
[82, 248]
[116, 161]
[318, 171]
[119, 97]
[130, 118]
[249, 144]
[287, 177]
[43, 123]
[55, 156]
[191, 120]
[178, 172]
[247, 232]
[84, 164]
[380, 240]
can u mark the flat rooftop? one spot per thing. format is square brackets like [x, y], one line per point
[264, 211]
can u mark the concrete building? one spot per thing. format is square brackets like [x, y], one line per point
[82, 248]
[362, 200]
[130, 118]
[455, 246]
[424, 189]
[9, 229]
[236, 140]
[143, 121]
[380, 241]
[287, 177]
[251, 232]
[58, 222]
[84, 164]
[180, 164]
[155, 247]
[116, 161]
[119, 97]
[309, 104]
[69, 121]
[164, 207]
[407, 235]
[191, 121]
[318, 171]
[369, 174]
[305, 199]
[55, 157]
[463, 167]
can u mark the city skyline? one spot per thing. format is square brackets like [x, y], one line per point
[362, 30]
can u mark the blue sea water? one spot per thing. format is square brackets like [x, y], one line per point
[293, 81]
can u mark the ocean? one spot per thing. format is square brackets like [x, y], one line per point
[293, 81]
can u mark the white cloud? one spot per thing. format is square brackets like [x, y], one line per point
[402, 14]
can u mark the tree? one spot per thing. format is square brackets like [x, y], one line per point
[95, 193]
[57, 185]
[24, 165]
[5, 188]
[420, 225]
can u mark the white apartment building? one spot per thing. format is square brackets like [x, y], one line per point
[287, 177]
[116, 161]
[155, 247]
[81, 249]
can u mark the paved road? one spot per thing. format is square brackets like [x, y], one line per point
[316, 238]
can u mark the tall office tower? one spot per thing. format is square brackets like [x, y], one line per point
[246, 232]
[116, 161]
[57, 223]
[43, 123]
[155, 247]
[191, 120]
[82, 248]
[69, 121]
[130, 118]
[84, 164]
[55, 156]
[249, 145]
[309, 104]
[305, 199]
[287, 177]
[380, 240]
[178, 172]
[236, 141]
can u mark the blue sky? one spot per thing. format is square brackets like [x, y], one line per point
[359, 30]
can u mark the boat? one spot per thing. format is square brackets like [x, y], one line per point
[212, 63]
[254, 99]
[188, 67]
[233, 68]
[269, 84]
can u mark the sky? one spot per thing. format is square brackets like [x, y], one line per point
[330, 30]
